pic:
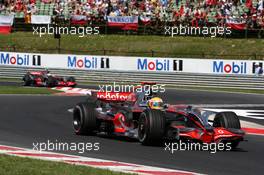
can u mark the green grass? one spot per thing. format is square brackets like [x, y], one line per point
[11, 165]
[11, 80]
[133, 45]
[25, 90]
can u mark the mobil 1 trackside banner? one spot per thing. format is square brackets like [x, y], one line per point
[121, 63]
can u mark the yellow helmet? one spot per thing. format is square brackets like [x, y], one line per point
[155, 103]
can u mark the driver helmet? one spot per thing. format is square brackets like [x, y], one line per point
[155, 103]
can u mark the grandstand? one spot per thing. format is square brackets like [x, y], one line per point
[164, 10]
[152, 13]
[40, 8]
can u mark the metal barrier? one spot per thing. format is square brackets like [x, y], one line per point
[171, 79]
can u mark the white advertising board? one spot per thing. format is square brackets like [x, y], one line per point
[122, 63]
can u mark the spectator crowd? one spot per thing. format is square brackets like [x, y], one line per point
[185, 12]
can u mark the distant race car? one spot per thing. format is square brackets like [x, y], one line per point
[44, 78]
[145, 117]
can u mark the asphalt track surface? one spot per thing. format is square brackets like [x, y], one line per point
[29, 119]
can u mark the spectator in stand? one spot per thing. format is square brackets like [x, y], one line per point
[58, 10]
[12, 8]
[189, 12]
[2, 8]
[32, 1]
[47, 1]
[27, 13]
[19, 6]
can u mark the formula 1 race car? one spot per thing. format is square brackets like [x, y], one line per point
[44, 78]
[145, 117]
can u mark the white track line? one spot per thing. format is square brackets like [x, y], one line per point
[92, 162]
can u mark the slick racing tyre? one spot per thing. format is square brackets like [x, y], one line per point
[227, 120]
[71, 79]
[84, 119]
[28, 81]
[51, 82]
[151, 127]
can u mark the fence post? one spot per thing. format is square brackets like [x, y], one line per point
[203, 55]
[246, 33]
[105, 29]
[152, 53]
[59, 45]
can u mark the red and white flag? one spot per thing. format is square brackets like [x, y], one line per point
[78, 20]
[6, 22]
[236, 23]
[123, 22]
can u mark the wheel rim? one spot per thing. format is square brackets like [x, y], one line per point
[77, 120]
[45, 83]
[142, 128]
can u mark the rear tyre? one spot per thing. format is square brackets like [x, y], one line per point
[71, 79]
[228, 120]
[84, 119]
[151, 127]
[27, 80]
[51, 82]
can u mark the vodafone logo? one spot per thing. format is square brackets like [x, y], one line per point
[113, 96]
[220, 131]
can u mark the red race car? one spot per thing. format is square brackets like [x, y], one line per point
[143, 116]
[44, 78]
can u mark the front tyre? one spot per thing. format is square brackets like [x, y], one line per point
[151, 127]
[84, 119]
[228, 120]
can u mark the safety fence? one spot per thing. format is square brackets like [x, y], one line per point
[172, 79]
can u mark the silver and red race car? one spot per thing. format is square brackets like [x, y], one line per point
[145, 117]
[45, 79]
